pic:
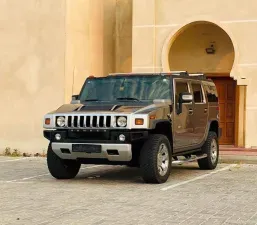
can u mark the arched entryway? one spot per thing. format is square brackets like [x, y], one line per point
[205, 47]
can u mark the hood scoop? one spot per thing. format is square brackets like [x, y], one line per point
[115, 107]
[98, 108]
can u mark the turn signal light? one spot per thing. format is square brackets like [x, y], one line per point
[139, 121]
[152, 117]
[47, 121]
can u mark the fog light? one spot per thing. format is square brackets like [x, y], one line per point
[122, 137]
[58, 137]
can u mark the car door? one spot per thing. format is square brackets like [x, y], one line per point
[182, 123]
[200, 112]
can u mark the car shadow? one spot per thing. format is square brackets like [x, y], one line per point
[111, 174]
[122, 174]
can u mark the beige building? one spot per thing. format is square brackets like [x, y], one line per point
[48, 49]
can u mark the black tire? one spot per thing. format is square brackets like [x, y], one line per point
[60, 168]
[149, 157]
[207, 163]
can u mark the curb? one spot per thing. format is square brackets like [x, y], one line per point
[238, 159]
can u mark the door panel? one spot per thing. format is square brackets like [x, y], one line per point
[226, 88]
[183, 128]
[182, 123]
[200, 112]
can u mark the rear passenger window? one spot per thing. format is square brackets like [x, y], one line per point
[198, 93]
[211, 92]
[181, 87]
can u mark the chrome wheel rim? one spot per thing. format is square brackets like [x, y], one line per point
[163, 159]
[214, 151]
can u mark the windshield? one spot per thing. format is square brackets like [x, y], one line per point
[126, 88]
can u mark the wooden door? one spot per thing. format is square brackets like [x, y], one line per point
[226, 88]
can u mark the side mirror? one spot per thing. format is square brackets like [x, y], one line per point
[183, 98]
[75, 99]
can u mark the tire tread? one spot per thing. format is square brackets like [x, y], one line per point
[60, 168]
[206, 163]
[148, 159]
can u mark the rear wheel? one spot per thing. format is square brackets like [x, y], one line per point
[211, 148]
[155, 159]
[61, 168]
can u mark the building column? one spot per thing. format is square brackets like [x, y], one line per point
[90, 42]
[144, 35]
[240, 115]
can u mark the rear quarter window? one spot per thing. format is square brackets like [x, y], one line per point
[211, 92]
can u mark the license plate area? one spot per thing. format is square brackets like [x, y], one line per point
[86, 148]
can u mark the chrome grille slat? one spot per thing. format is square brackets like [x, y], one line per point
[105, 119]
[90, 121]
[97, 121]
[112, 122]
[78, 123]
[85, 121]
[66, 121]
[72, 121]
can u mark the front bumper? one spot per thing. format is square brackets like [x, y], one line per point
[96, 136]
[111, 152]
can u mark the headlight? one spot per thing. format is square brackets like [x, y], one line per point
[60, 121]
[122, 121]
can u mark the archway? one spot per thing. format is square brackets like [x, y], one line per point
[202, 46]
[205, 47]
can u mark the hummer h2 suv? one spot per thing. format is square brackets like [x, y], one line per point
[147, 120]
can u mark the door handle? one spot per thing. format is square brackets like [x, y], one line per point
[190, 111]
[205, 110]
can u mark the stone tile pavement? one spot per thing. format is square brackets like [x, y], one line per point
[117, 195]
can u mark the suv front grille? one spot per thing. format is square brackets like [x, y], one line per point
[88, 121]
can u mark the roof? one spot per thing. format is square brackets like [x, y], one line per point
[199, 76]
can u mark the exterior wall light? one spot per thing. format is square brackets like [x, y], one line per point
[210, 50]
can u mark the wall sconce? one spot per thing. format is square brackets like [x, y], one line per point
[210, 50]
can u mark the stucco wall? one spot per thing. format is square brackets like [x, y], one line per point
[48, 49]
[31, 69]
[123, 42]
[156, 22]
[90, 26]
[99, 40]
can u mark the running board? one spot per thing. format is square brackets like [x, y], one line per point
[192, 159]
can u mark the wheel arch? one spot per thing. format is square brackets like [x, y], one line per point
[214, 126]
[163, 127]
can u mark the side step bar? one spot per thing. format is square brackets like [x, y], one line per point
[192, 159]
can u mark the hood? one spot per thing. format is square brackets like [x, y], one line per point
[105, 108]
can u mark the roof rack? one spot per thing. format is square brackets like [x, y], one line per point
[198, 75]
[179, 73]
[176, 73]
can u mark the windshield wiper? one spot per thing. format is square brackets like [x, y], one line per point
[129, 99]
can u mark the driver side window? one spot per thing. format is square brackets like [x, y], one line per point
[180, 88]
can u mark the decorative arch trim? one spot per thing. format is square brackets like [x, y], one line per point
[173, 35]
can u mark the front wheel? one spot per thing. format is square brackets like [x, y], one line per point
[155, 159]
[211, 148]
[61, 168]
